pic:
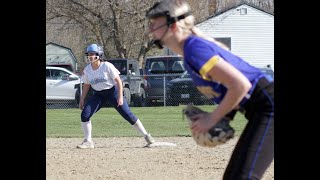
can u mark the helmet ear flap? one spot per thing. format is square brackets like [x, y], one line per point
[100, 51]
[170, 20]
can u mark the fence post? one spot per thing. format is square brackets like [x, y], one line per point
[164, 90]
[80, 88]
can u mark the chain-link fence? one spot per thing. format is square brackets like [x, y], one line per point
[172, 90]
[61, 94]
[143, 90]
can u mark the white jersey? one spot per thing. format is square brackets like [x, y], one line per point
[101, 78]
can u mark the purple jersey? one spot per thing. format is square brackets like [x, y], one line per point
[201, 55]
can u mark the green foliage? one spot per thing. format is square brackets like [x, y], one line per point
[159, 121]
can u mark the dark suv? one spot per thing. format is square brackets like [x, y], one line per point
[158, 71]
[183, 91]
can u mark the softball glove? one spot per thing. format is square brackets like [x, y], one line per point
[216, 135]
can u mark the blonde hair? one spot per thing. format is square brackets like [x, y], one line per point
[180, 7]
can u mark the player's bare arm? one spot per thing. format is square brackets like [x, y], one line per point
[85, 91]
[238, 86]
[120, 90]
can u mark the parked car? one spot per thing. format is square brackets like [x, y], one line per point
[60, 84]
[183, 91]
[66, 66]
[159, 70]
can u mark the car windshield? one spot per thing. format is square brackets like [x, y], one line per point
[161, 65]
[66, 66]
[185, 75]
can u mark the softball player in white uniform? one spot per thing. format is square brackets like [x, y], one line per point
[104, 78]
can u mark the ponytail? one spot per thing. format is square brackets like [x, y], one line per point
[196, 31]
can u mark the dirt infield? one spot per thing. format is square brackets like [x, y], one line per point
[125, 158]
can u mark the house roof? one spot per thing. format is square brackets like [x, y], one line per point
[59, 55]
[233, 7]
[58, 45]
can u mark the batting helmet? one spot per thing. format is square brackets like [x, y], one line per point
[94, 48]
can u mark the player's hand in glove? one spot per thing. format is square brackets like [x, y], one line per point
[209, 135]
[201, 123]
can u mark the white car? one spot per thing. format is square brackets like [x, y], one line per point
[60, 84]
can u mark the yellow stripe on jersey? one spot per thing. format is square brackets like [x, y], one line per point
[208, 66]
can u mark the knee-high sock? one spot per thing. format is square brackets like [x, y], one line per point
[140, 128]
[87, 128]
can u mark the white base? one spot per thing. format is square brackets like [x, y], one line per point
[162, 144]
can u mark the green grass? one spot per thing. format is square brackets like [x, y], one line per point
[159, 121]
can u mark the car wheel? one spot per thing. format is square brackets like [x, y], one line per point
[77, 97]
[172, 102]
[148, 102]
[127, 95]
[140, 100]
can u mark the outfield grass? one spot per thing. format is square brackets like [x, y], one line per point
[159, 121]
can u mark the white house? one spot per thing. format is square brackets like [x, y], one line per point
[57, 55]
[248, 31]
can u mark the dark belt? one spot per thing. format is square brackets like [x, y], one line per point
[263, 83]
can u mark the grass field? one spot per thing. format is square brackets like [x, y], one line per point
[159, 121]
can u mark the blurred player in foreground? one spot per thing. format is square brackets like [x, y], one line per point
[227, 79]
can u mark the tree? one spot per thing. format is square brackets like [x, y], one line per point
[117, 25]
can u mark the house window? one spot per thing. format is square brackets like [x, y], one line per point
[243, 11]
[225, 40]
